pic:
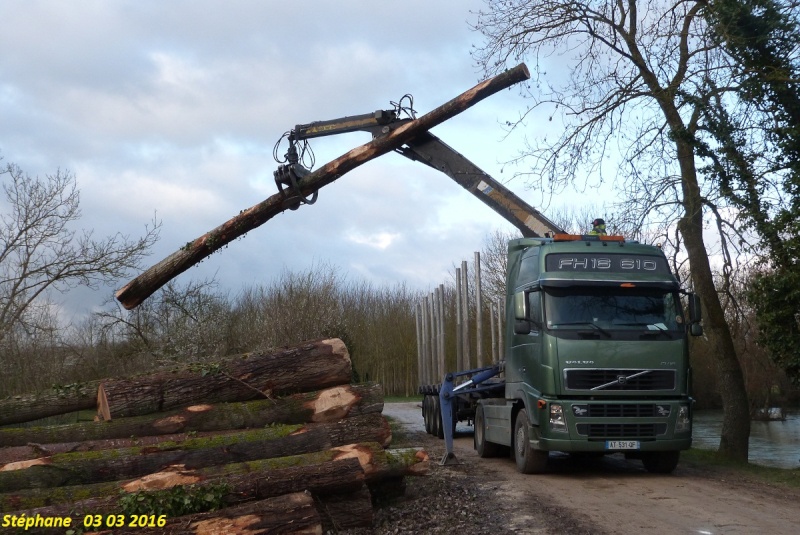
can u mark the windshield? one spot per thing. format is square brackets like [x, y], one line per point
[611, 309]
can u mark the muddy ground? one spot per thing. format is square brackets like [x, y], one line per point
[606, 496]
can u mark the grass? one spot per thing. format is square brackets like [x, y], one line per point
[789, 477]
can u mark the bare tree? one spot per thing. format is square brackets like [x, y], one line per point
[40, 252]
[629, 106]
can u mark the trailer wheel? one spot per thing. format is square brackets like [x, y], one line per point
[426, 413]
[529, 460]
[485, 449]
[660, 462]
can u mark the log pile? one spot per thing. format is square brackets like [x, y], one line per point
[276, 442]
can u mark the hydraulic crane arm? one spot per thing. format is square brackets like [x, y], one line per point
[430, 150]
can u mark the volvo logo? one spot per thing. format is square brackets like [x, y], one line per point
[622, 380]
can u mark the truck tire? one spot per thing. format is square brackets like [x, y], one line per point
[485, 449]
[660, 462]
[426, 413]
[529, 460]
[436, 426]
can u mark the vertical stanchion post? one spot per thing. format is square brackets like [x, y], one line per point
[432, 340]
[501, 343]
[478, 311]
[459, 336]
[465, 315]
[495, 360]
[418, 324]
[442, 357]
[425, 347]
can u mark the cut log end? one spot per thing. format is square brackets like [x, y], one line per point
[103, 410]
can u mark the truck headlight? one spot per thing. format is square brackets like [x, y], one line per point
[557, 422]
[683, 423]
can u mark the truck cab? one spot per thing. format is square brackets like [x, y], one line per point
[596, 357]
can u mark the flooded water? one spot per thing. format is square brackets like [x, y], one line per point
[775, 443]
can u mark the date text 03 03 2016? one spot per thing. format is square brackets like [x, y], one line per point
[89, 521]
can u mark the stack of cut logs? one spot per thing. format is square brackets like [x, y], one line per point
[274, 442]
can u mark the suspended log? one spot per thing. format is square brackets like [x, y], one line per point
[137, 290]
[333, 471]
[306, 367]
[110, 465]
[51, 402]
[329, 405]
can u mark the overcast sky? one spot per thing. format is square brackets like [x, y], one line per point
[172, 108]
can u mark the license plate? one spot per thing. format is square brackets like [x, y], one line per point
[622, 444]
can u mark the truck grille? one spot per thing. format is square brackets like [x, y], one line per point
[621, 410]
[614, 431]
[619, 379]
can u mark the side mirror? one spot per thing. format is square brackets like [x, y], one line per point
[522, 327]
[695, 309]
[521, 311]
[695, 315]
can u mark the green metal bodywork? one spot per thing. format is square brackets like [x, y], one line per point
[537, 362]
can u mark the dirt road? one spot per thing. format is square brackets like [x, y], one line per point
[609, 495]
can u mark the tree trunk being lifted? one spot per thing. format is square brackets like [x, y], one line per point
[137, 290]
[329, 405]
[109, 465]
[306, 367]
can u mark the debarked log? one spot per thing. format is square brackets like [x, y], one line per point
[109, 465]
[306, 367]
[328, 405]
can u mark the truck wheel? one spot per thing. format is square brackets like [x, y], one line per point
[436, 426]
[426, 413]
[529, 460]
[484, 449]
[660, 462]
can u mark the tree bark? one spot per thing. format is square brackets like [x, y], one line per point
[345, 510]
[109, 465]
[334, 471]
[327, 405]
[317, 472]
[52, 402]
[137, 290]
[306, 367]
[735, 435]
[290, 514]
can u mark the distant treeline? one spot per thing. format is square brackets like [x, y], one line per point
[198, 322]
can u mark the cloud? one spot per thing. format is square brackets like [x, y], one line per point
[173, 109]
